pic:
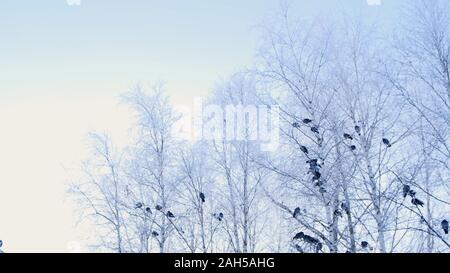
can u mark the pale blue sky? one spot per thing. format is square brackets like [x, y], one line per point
[105, 46]
[62, 68]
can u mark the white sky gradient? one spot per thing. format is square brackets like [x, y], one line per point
[63, 67]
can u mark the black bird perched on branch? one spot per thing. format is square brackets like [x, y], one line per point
[202, 197]
[386, 142]
[364, 244]
[313, 165]
[148, 210]
[314, 130]
[348, 136]
[138, 205]
[218, 216]
[444, 225]
[158, 207]
[296, 125]
[307, 121]
[319, 184]
[310, 240]
[299, 236]
[353, 147]
[406, 190]
[170, 214]
[416, 202]
[358, 129]
[304, 149]
[316, 175]
[337, 213]
[155, 234]
[296, 212]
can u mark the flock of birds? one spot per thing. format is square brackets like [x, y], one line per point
[219, 216]
[315, 171]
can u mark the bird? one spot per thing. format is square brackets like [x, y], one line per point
[170, 214]
[337, 213]
[158, 207]
[202, 197]
[444, 225]
[313, 165]
[148, 210]
[322, 190]
[299, 236]
[364, 244]
[218, 216]
[296, 125]
[406, 190]
[138, 205]
[304, 149]
[307, 121]
[1, 243]
[319, 184]
[312, 162]
[155, 234]
[316, 175]
[386, 142]
[358, 129]
[310, 240]
[296, 212]
[416, 202]
[314, 130]
[348, 136]
[353, 147]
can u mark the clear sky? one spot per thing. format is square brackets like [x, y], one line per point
[62, 68]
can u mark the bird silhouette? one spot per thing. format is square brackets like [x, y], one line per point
[307, 121]
[202, 197]
[296, 212]
[170, 214]
[296, 125]
[364, 244]
[406, 190]
[314, 130]
[1, 243]
[158, 207]
[358, 129]
[386, 142]
[299, 236]
[316, 175]
[304, 149]
[353, 147]
[444, 225]
[310, 240]
[337, 213]
[417, 202]
[148, 210]
[155, 234]
[138, 205]
[218, 216]
[348, 136]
